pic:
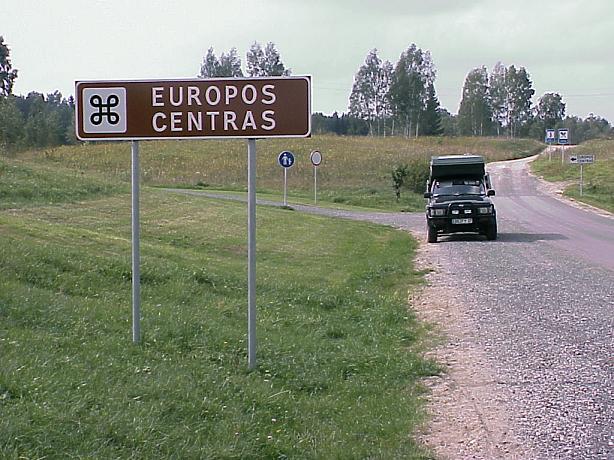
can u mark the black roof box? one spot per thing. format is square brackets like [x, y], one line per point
[448, 166]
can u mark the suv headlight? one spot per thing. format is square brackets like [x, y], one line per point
[438, 212]
[485, 210]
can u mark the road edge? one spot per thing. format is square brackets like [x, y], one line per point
[557, 189]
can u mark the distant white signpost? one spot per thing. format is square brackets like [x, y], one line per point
[286, 160]
[316, 160]
[581, 160]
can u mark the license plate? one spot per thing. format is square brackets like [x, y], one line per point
[462, 221]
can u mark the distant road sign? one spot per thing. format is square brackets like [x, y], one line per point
[316, 158]
[550, 136]
[286, 159]
[563, 136]
[582, 159]
[196, 109]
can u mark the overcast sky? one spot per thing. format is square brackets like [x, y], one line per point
[566, 46]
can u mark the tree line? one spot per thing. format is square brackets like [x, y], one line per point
[401, 99]
[385, 99]
[397, 99]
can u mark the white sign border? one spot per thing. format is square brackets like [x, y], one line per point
[118, 83]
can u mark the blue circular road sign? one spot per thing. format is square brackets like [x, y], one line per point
[286, 159]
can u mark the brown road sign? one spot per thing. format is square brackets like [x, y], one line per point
[180, 109]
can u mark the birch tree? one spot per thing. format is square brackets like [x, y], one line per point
[475, 112]
[409, 89]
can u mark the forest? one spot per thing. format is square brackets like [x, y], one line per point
[386, 99]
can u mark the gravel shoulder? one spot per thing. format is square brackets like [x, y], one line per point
[467, 404]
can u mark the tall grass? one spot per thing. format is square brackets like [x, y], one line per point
[35, 184]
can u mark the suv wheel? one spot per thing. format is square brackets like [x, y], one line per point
[431, 234]
[491, 232]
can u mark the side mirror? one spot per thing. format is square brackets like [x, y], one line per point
[490, 192]
[487, 181]
[428, 194]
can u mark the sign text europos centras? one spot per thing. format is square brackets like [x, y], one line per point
[199, 108]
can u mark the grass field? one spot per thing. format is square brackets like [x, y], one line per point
[598, 187]
[355, 170]
[339, 351]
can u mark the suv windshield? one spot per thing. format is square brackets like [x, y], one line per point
[458, 187]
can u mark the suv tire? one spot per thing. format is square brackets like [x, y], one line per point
[431, 234]
[491, 232]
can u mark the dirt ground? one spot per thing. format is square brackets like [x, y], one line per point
[467, 406]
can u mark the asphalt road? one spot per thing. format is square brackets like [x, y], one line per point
[583, 233]
[541, 298]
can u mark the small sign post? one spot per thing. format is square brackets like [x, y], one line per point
[136, 244]
[286, 160]
[550, 139]
[230, 108]
[563, 139]
[316, 160]
[582, 160]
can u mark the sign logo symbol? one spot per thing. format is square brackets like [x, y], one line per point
[104, 109]
[286, 159]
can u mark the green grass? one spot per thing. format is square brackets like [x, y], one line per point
[355, 170]
[598, 187]
[32, 183]
[339, 357]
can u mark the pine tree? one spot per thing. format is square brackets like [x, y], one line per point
[210, 66]
[431, 119]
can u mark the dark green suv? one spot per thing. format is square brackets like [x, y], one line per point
[458, 192]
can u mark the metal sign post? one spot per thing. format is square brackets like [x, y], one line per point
[316, 160]
[286, 160]
[550, 136]
[285, 186]
[229, 108]
[582, 160]
[136, 243]
[251, 254]
[315, 185]
[563, 139]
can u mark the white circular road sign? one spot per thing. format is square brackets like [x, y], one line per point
[316, 158]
